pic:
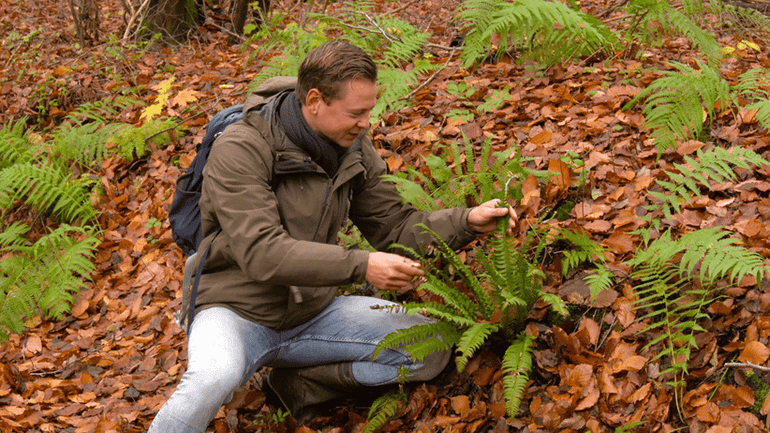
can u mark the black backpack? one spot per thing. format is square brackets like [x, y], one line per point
[185, 213]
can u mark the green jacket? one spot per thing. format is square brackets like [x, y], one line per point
[280, 214]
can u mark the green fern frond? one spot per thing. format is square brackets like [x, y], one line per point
[444, 312]
[600, 280]
[584, 249]
[763, 112]
[452, 296]
[15, 146]
[42, 275]
[746, 17]
[419, 340]
[467, 274]
[672, 20]
[85, 144]
[48, 190]
[292, 42]
[517, 363]
[674, 103]
[396, 83]
[714, 164]
[131, 141]
[471, 340]
[383, 409]
[533, 23]
[556, 303]
[678, 280]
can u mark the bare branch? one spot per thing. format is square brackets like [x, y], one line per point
[747, 365]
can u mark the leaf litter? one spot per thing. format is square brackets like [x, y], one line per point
[111, 364]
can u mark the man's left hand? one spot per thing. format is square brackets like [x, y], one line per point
[483, 218]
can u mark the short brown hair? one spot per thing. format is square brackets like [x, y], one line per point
[330, 65]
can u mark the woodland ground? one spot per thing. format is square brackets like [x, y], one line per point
[114, 361]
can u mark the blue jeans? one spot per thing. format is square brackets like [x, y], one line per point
[224, 351]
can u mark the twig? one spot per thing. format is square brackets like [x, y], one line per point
[134, 15]
[433, 76]
[387, 35]
[747, 365]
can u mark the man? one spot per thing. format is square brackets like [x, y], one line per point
[280, 184]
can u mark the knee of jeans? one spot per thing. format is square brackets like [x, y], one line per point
[216, 382]
[431, 366]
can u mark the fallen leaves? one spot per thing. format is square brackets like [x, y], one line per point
[113, 362]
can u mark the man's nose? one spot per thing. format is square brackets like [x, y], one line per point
[363, 122]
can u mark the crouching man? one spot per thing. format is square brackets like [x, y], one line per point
[280, 184]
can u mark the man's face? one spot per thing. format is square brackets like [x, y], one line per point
[346, 117]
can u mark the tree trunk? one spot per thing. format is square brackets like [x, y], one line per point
[174, 18]
[239, 10]
[86, 16]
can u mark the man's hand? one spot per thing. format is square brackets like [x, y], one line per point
[390, 271]
[483, 218]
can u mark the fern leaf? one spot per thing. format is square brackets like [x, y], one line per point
[410, 339]
[675, 102]
[480, 294]
[522, 21]
[383, 409]
[599, 281]
[440, 311]
[44, 274]
[15, 147]
[471, 341]
[673, 20]
[48, 190]
[517, 363]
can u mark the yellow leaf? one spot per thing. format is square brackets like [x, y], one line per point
[151, 112]
[165, 85]
[752, 45]
[727, 50]
[185, 97]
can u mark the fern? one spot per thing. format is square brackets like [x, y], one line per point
[674, 104]
[671, 19]
[49, 190]
[85, 144]
[132, 141]
[471, 341]
[497, 300]
[517, 363]
[42, 275]
[15, 145]
[678, 281]
[420, 340]
[455, 177]
[586, 250]
[744, 19]
[396, 83]
[715, 164]
[383, 409]
[564, 32]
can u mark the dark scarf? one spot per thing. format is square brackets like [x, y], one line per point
[324, 152]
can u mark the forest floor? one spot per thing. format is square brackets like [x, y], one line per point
[112, 363]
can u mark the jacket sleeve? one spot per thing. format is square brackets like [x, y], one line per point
[237, 196]
[384, 219]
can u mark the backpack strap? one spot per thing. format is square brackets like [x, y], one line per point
[193, 266]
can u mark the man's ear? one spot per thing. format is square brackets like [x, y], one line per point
[313, 99]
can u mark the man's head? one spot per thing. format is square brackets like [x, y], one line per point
[337, 89]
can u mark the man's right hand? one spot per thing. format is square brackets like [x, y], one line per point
[390, 271]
